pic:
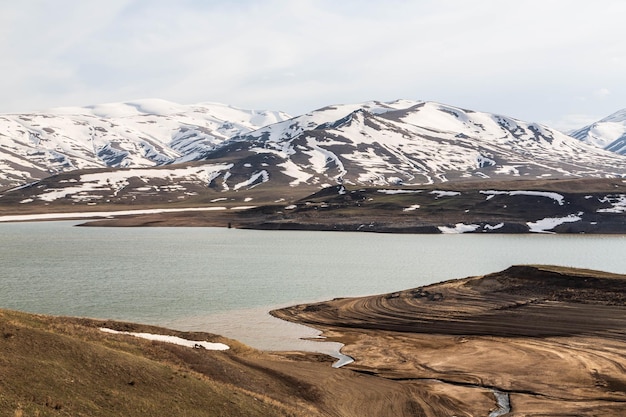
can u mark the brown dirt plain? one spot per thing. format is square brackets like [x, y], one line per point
[550, 340]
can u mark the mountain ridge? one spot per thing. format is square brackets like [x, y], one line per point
[139, 133]
[401, 143]
[418, 139]
[608, 133]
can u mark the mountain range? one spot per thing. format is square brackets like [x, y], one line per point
[154, 150]
[413, 143]
[136, 134]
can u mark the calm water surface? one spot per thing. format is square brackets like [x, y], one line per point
[225, 280]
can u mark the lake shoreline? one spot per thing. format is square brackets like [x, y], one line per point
[492, 332]
[482, 345]
[221, 217]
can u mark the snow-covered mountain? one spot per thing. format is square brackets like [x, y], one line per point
[608, 133]
[205, 150]
[410, 143]
[140, 133]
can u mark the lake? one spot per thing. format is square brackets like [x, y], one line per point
[226, 280]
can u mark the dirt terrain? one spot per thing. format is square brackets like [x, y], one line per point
[527, 341]
[552, 340]
[59, 366]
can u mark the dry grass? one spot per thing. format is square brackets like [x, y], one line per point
[56, 367]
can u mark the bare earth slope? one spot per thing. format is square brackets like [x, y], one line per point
[552, 340]
[67, 367]
[528, 341]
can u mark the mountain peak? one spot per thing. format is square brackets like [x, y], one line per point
[617, 117]
[608, 133]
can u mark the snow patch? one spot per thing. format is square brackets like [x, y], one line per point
[253, 181]
[618, 202]
[496, 227]
[411, 208]
[292, 170]
[458, 228]
[441, 193]
[391, 192]
[549, 223]
[555, 196]
[508, 170]
[172, 339]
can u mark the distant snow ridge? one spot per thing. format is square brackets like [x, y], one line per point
[608, 133]
[375, 143]
[140, 133]
[414, 143]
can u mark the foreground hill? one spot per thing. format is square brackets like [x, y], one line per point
[68, 367]
[527, 341]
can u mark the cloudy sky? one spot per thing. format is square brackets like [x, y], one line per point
[560, 62]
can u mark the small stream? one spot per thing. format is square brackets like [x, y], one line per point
[504, 403]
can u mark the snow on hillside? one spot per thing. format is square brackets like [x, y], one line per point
[140, 133]
[608, 133]
[402, 142]
[408, 142]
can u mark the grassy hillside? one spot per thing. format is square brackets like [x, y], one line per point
[67, 367]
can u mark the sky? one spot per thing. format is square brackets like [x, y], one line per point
[558, 62]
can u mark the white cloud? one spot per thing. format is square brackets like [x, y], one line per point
[527, 59]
